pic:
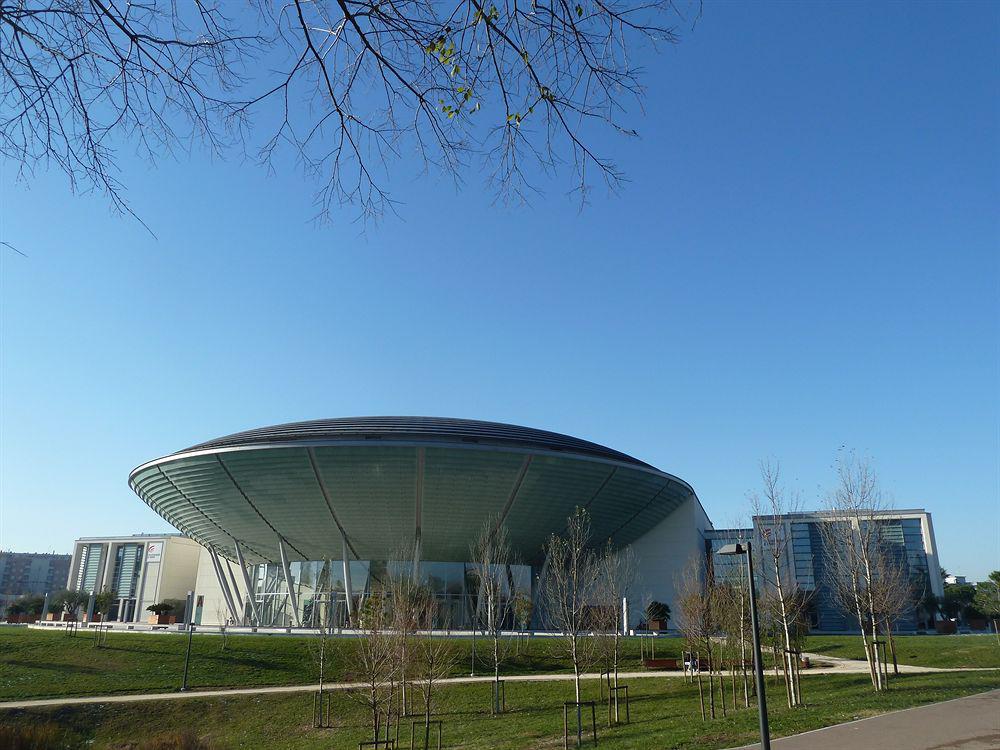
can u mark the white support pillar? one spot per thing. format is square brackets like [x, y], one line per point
[293, 598]
[223, 585]
[104, 580]
[237, 596]
[348, 590]
[140, 593]
[246, 580]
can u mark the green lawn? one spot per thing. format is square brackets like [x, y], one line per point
[40, 664]
[664, 715]
[919, 650]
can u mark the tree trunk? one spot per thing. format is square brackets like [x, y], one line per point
[711, 682]
[876, 658]
[701, 696]
[892, 647]
[791, 693]
[876, 680]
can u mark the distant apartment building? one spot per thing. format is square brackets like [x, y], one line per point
[908, 534]
[141, 569]
[24, 573]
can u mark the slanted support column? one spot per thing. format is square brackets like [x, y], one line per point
[348, 590]
[246, 580]
[223, 585]
[293, 598]
[418, 515]
[237, 598]
[536, 594]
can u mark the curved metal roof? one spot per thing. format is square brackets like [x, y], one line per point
[414, 428]
[379, 484]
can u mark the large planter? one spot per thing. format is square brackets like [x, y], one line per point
[977, 623]
[95, 618]
[946, 627]
[657, 624]
[15, 619]
[162, 619]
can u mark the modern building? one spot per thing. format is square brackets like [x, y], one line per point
[142, 569]
[907, 534]
[310, 517]
[25, 573]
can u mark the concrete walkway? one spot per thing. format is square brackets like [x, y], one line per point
[971, 723]
[837, 666]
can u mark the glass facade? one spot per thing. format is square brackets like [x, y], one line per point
[808, 561]
[321, 590]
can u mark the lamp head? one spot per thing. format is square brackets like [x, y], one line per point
[736, 548]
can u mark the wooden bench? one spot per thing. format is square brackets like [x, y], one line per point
[661, 664]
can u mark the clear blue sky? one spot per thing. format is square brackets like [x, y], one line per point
[806, 257]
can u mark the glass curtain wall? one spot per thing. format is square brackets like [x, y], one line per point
[322, 599]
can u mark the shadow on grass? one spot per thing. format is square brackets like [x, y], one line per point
[53, 667]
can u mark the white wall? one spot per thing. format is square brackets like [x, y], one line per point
[663, 553]
[178, 568]
[213, 607]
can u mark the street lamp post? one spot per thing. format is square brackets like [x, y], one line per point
[741, 548]
[189, 618]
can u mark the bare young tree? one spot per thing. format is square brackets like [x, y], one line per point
[377, 662]
[321, 646]
[896, 595]
[852, 542]
[568, 588]
[733, 615]
[223, 615]
[616, 571]
[408, 602]
[770, 507]
[695, 621]
[432, 660]
[491, 559]
[523, 610]
[347, 85]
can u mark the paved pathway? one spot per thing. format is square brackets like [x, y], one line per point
[838, 666]
[971, 723]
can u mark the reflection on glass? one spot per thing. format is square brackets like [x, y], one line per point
[322, 597]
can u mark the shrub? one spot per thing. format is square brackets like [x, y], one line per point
[31, 736]
[657, 611]
[179, 607]
[26, 605]
[104, 601]
[186, 740]
[69, 601]
[162, 608]
[183, 740]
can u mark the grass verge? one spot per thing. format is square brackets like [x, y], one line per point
[664, 712]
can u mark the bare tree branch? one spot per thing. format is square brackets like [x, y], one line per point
[519, 87]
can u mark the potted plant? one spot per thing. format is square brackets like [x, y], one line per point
[657, 616]
[975, 619]
[946, 626]
[102, 604]
[15, 612]
[66, 604]
[161, 614]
